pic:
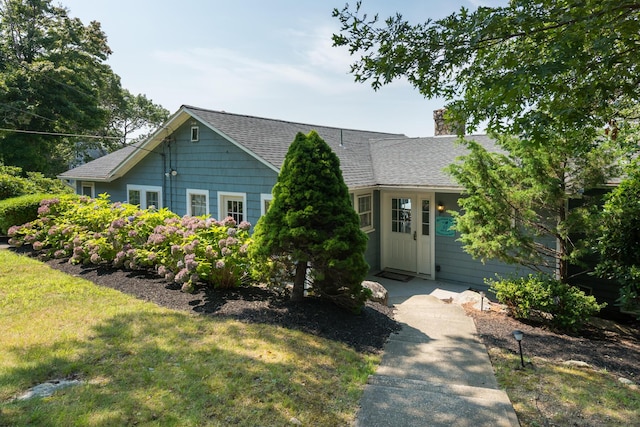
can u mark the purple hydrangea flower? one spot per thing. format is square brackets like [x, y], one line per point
[182, 276]
[59, 254]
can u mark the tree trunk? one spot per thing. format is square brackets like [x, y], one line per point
[298, 285]
[562, 242]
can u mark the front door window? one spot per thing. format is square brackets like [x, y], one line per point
[401, 215]
[425, 217]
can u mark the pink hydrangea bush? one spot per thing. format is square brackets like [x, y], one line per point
[185, 250]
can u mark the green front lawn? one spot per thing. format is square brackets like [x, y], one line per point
[145, 365]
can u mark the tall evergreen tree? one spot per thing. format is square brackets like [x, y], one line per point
[311, 222]
[618, 239]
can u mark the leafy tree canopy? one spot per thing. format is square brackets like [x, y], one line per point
[522, 69]
[515, 202]
[554, 73]
[131, 115]
[54, 83]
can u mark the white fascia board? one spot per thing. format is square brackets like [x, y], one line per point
[433, 189]
[166, 129]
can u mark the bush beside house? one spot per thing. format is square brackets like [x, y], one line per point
[541, 298]
[19, 210]
[182, 250]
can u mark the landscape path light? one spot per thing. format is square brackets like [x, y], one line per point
[518, 334]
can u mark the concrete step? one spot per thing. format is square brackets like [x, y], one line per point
[457, 365]
[435, 386]
[404, 403]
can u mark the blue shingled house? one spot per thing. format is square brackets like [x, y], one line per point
[212, 162]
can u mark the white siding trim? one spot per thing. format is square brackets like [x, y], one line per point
[265, 197]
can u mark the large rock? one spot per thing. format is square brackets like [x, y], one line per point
[47, 389]
[378, 292]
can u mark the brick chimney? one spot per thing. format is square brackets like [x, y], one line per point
[441, 126]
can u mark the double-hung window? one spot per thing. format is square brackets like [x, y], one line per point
[197, 202]
[363, 205]
[145, 196]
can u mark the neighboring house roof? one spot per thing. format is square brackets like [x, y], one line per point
[84, 155]
[366, 158]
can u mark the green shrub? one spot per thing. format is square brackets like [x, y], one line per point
[520, 295]
[182, 250]
[558, 304]
[569, 306]
[13, 183]
[19, 210]
[13, 186]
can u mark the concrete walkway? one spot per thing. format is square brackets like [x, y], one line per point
[435, 371]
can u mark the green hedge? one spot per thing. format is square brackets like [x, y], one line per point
[20, 210]
[563, 306]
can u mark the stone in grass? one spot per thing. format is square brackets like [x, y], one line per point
[577, 364]
[47, 389]
[378, 292]
[626, 381]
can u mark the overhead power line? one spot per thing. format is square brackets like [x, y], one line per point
[60, 134]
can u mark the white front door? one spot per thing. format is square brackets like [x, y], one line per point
[402, 240]
[406, 232]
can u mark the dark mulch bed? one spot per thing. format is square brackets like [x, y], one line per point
[614, 346]
[604, 344]
[365, 332]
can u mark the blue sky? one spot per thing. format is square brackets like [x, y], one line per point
[264, 58]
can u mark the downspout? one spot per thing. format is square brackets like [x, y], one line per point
[164, 175]
[169, 176]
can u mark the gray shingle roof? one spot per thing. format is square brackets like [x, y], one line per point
[269, 140]
[101, 168]
[366, 158]
[419, 162]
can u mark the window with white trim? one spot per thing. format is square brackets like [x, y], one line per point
[197, 202]
[145, 196]
[88, 189]
[265, 202]
[363, 205]
[232, 205]
[195, 134]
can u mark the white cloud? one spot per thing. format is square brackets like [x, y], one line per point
[320, 68]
